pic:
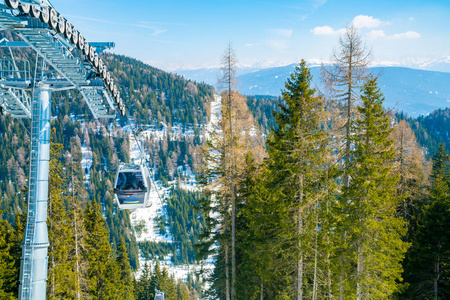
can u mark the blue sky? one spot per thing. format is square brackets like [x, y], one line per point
[194, 34]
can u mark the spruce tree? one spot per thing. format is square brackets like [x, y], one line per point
[7, 270]
[126, 282]
[144, 291]
[373, 247]
[102, 271]
[427, 269]
[61, 275]
[296, 166]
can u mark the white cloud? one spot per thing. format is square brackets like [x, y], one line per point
[326, 30]
[374, 34]
[282, 32]
[363, 21]
[412, 19]
[405, 35]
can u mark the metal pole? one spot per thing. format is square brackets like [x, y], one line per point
[33, 270]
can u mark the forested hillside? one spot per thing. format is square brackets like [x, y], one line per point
[432, 130]
[90, 151]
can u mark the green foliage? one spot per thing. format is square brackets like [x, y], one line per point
[186, 223]
[126, 289]
[8, 268]
[160, 280]
[372, 248]
[61, 271]
[14, 145]
[431, 130]
[156, 250]
[296, 164]
[102, 272]
[156, 96]
[263, 109]
[427, 263]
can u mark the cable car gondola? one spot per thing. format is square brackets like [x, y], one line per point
[132, 186]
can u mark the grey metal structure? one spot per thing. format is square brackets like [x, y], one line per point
[67, 62]
[159, 295]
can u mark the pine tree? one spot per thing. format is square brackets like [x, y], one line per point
[126, 290]
[296, 167]
[249, 263]
[62, 278]
[16, 249]
[7, 269]
[144, 284]
[427, 262]
[102, 271]
[373, 247]
[440, 175]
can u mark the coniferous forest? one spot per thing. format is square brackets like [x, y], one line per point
[342, 202]
[318, 194]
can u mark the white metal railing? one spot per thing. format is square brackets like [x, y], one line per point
[11, 69]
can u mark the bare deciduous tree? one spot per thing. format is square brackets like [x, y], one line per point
[343, 80]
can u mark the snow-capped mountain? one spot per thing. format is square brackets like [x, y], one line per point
[415, 92]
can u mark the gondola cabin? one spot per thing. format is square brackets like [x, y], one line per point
[132, 186]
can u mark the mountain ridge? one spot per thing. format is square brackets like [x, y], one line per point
[413, 91]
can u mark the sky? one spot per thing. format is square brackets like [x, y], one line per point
[180, 34]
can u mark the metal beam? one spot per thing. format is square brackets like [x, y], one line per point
[33, 270]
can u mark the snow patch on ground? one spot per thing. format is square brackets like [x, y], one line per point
[86, 162]
[160, 193]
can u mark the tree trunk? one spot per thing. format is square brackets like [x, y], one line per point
[347, 148]
[261, 291]
[359, 270]
[233, 191]
[300, 231]
[341, 281]
[314, 295]
[348, 126]
[436, 277]
[227, 274]
[77, 263]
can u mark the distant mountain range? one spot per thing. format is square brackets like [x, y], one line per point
[415, 92]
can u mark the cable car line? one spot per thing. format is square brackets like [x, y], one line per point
[132, 186]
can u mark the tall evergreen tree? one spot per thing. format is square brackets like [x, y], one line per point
[61, 275]
[143, 288]
[126, 282]
[373, 246]
[427, 268]
[7, 269]
[297, 151]
[102, 271]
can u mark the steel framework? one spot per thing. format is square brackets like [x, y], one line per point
[70, 63]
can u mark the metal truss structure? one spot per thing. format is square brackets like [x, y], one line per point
[67, 61]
